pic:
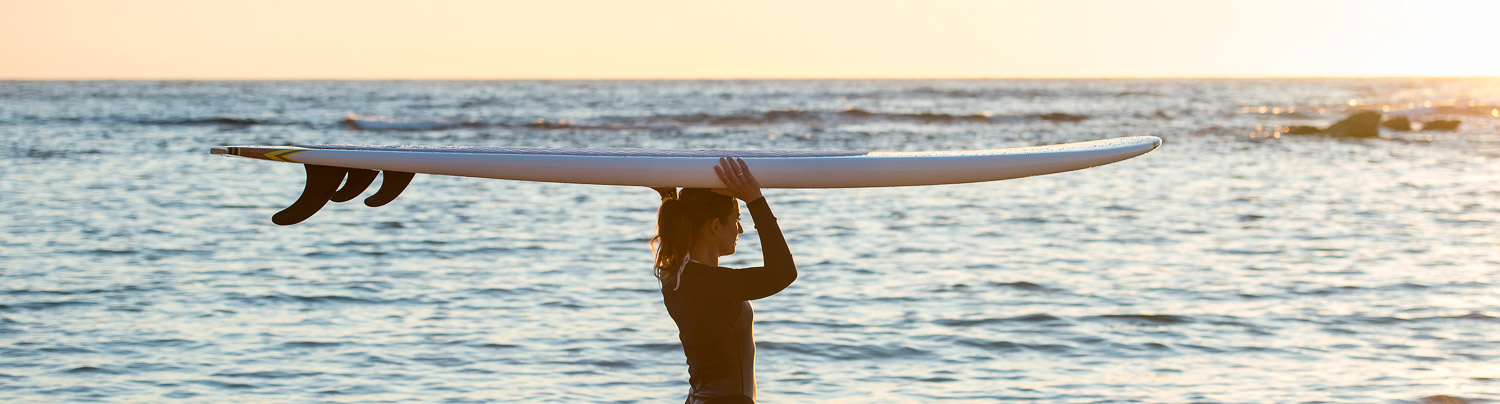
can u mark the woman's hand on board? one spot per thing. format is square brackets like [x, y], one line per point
[666, 192]
[738, 182]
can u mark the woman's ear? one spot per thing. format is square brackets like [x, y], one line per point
[708, 227]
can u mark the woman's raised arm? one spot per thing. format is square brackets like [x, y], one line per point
[779, 270]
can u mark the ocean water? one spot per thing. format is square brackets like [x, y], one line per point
[1235, 264]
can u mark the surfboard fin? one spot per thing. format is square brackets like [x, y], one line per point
[323, 185]
[322, 182]
[395, 182]
[355, 184]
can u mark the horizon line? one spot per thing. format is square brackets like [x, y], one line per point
[769, 78]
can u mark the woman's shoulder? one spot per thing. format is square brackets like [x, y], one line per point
[701, 267]
[699, 274]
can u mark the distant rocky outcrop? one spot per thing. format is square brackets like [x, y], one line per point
[1303, 130]
[1440, 125]
[1361, 124]
[1367, 124]
[1397, 123]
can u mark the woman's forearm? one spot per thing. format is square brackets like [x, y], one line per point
[777, 256]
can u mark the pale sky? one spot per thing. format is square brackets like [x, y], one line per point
[563, 39]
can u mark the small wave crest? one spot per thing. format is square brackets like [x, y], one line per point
[843, 351]
[1008, 346]
[42, 154]
[311, 344]
[45, 305]
[324, 299]
[94, 370]
[611, 364]
[267, 374]
[1029, 318]
[214, 121]
[159, 342]
[1381, 320]
[1022, 285]
[656, 347]
[1145, 319]
[370, 122]
[222, 385]
[72, 292]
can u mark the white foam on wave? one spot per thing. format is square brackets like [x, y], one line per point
[366, 122]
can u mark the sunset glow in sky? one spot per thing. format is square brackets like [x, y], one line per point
[472, 39]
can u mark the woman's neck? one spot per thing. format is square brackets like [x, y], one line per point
[705, 254]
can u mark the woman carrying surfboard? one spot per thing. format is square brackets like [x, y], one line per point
[710, 303]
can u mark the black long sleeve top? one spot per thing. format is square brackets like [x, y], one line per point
[711, 306]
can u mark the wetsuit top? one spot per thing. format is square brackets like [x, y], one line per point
[712, 310]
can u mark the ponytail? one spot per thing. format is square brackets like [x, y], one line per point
[677, 223]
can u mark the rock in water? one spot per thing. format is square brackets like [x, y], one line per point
[1444, 399]
[1440, 125]
[1361, 124]
[1303, 130]
[1399, 123]
[1061, 117]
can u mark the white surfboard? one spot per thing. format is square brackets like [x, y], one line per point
[694, 168]
[679, 168]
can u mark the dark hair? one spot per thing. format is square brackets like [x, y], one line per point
[677, 223]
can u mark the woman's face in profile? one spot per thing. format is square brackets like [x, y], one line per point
[727, 236]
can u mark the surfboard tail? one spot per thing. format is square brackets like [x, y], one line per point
[277, 153]
[324, 183]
